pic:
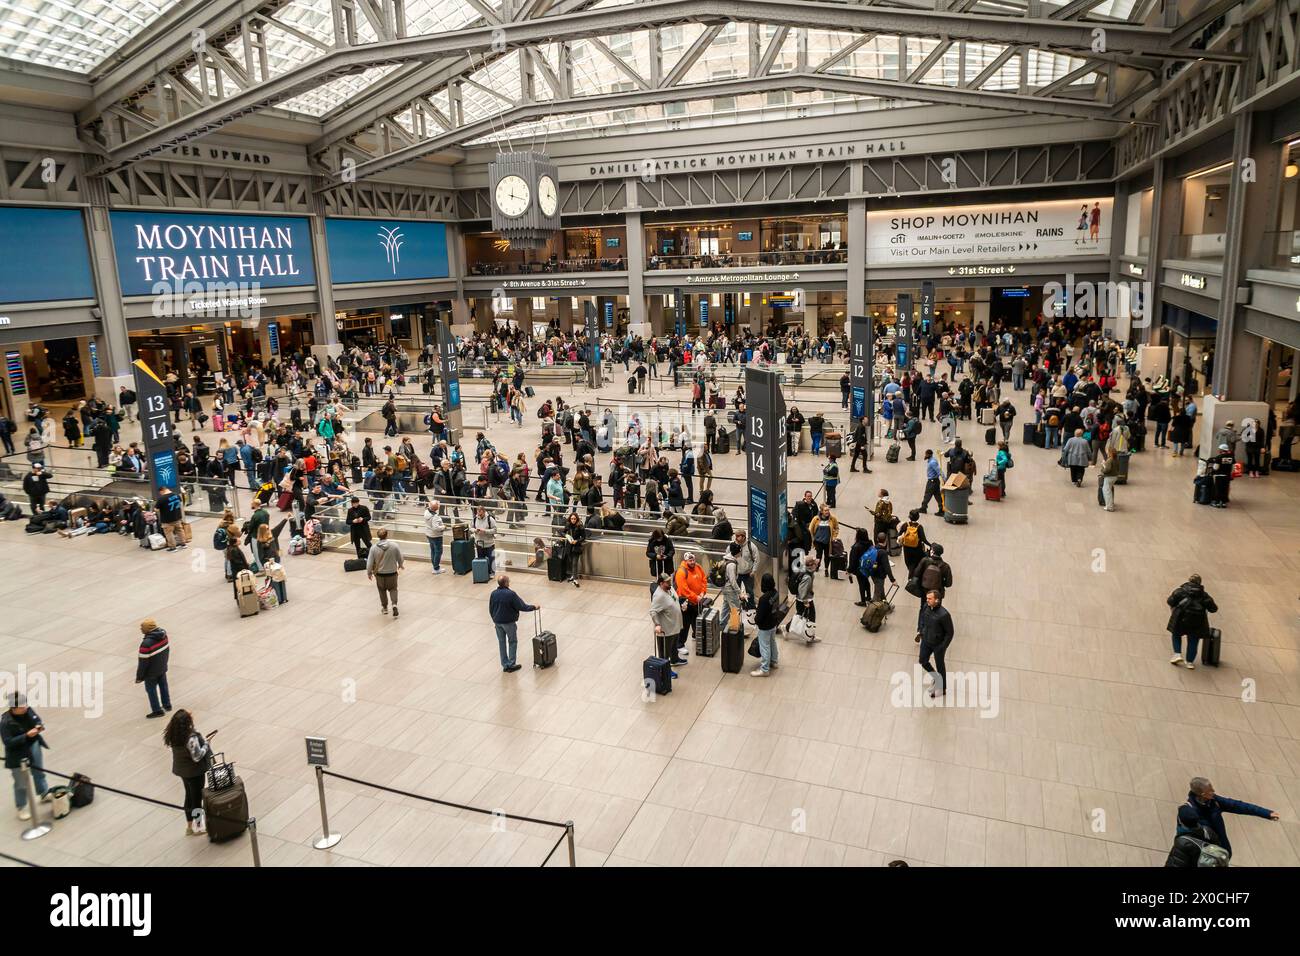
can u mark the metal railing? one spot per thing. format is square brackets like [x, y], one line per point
[548, 266]
[747, 260]
[206, 496]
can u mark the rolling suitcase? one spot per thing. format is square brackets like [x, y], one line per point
[555, 568]
[891, 455]
[543, 644]
[990, 436]
[1212, 645]
[482, 570]
[724, 441]
[733, 651]
[462, 557]
[986, 416]
[528, 391]
[657, 675]
[873, 618]
[834, 444]
[1122, 478]
[631, 385]
[1202, 488]
[285, 501]
[1029, 433]
[225, 803]
[246, 594]
[708, 631]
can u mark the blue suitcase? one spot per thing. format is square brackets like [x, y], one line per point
[462, 557]
[657, 674]
[482, 570]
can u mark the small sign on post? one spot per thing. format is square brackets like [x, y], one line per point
[317, 752]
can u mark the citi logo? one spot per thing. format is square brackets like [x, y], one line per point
[76, 909]
[391, 240]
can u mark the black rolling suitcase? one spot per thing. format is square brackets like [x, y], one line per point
[543, 643]
[555, 568]
[991, 436]
[225, 802]
[724, 441]
[1028, 433]
[1210, 648]
[1203, 487]
[733, 651]
[631, 385]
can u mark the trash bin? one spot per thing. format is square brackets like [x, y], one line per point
[1122, 477]
[956, 505]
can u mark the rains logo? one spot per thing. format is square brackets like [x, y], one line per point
[391, 240]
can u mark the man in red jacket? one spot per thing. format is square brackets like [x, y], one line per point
[692, 585]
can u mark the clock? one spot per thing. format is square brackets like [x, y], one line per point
[513, 196]
[548, 197]
[524, 199]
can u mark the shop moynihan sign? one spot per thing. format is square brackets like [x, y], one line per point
[747, 159]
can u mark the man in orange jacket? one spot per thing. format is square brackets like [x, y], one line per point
[692, 584]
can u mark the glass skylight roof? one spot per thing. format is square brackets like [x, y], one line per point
[78, 35]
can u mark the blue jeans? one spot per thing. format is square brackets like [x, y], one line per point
[157, 689]
[1193, 643]
[508, 642]
[767, 645]
[1162, 428]
[38, 777]
[1053, 436]
[816, 442]
[435, 552]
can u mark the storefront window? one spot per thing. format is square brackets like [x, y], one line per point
[1205, 213]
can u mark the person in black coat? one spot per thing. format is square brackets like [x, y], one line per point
[936, 636]
[36, 484]
[1192, 606]
[358, 519]
[151, 667]
[21, 732]
[1209, 808]
[660, 551]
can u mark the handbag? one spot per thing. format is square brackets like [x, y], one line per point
[802, 627]
[754, 649]
[221, 775]
[913, 587]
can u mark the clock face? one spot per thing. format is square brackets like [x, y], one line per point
[513, 196]
[547, 195]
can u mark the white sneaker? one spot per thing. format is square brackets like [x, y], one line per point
[1176, 659]
[24, 814]
[759, 672]
[438, 570]
[1190, 666]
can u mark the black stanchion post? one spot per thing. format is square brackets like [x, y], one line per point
[252, 841]
[573, 854]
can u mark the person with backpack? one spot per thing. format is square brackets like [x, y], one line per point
[746, 563]
[912, 540]
[692, 586]
[910, 430]
[884, 521]
[1192, 606]
[880, 567]
[191, 757]
[933, 573]
[858, 568]
[1004, 416]
[733, 594]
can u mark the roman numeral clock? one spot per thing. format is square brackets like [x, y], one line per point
[525, 198]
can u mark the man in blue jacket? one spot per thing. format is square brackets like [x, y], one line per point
[1210, 808]
[504, 607]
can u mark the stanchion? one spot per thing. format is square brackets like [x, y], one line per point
[252, 841]
[568, 829]
[327, 839]
[37, 829]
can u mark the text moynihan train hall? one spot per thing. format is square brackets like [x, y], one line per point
[216, 252]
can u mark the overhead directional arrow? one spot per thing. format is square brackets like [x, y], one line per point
[952, 270]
